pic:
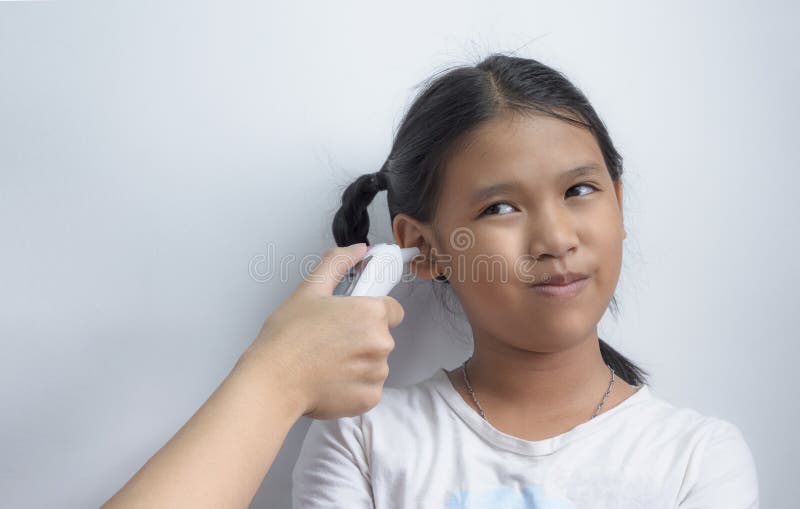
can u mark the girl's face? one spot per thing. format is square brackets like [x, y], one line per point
[555, 209]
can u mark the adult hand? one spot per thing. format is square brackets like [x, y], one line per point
[332, 350]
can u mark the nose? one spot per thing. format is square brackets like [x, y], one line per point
[553, 232]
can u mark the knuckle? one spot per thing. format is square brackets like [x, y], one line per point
[337, 255]
[390, 305]
[396, 307]
[376, 308]
[370, 399]
[380, 348]
[376, 395]
[380, 374]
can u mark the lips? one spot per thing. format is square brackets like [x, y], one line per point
[560, 279]
[565, 291]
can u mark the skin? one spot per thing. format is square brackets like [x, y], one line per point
[537, 369]
[310, 359]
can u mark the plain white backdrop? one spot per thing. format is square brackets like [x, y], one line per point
[150, 152]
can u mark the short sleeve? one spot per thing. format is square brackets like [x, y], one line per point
[726, 475]
[332, 469]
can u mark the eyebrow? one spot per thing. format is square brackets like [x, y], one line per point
[503, 187]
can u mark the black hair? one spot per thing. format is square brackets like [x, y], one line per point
[453, 104]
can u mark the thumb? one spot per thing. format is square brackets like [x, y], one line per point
[333, 267]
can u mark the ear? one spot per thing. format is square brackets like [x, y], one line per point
[618, 189]
[408, 232]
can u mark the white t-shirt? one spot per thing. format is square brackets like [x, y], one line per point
[424, 447]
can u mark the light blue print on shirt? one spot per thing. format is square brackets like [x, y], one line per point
[529, 497]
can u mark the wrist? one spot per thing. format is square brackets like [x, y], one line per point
[278, 382]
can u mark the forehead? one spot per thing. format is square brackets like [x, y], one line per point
[532, 143]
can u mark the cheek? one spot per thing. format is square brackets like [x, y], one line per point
[486, 283]
[606, 244]
[486, 257]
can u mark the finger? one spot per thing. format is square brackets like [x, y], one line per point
[394, 311]
[332, 268]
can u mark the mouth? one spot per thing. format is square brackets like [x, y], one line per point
[562, 285]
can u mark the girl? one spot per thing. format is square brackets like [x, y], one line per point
[506, 179]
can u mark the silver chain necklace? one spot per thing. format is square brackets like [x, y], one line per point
[475, 399]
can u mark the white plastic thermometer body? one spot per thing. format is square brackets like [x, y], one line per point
[378, 272]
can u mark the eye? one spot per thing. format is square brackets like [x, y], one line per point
[493, 207]
[583, 184]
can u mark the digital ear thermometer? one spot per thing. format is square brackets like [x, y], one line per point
[378, 272]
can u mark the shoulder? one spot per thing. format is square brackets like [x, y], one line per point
[647, 410]
[400, 409]
[719, 465]
[692, 421]
[722, 471]
[353, 442]
[339, 458]
[694, 429]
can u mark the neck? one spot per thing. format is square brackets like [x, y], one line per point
[538, 383]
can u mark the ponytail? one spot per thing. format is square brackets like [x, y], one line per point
[623, 367]
[351, 222]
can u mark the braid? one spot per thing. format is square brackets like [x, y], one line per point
[351, 222]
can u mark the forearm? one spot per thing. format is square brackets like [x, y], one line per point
[221, 455]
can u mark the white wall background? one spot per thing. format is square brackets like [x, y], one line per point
[150, 150]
